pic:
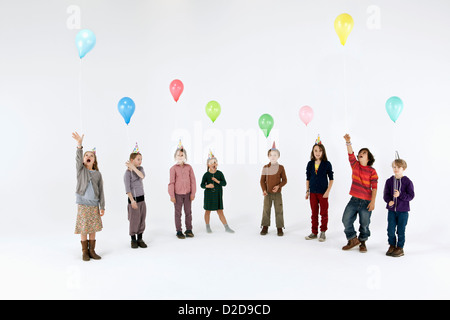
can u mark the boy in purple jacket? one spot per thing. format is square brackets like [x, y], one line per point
[398, 192]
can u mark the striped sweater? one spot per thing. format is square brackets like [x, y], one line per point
[364, 179]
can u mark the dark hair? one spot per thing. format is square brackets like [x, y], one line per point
[369, 156]
[324, 153]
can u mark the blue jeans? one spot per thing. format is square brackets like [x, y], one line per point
[354, 207]
[397, 219]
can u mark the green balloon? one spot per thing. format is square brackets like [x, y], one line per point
[266, 123]
[213, 110]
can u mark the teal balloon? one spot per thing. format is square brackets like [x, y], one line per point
[266, 123]
[85, 41]
[126, 108]
[394, 107]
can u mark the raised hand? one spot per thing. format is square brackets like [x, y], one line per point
[78, 138]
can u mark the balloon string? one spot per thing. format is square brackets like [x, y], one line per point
[79, 98]
[345, 90]
[128, 135]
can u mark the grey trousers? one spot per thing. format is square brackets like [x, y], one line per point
[137, 218]
[277, 201]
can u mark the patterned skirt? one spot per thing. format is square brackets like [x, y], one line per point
[88, 220]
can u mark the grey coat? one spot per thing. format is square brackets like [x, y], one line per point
[83, 177]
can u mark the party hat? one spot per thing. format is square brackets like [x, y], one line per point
[136, 148]
[273, 146]
[94, 150]
[210, 155]
[318, 140]
[180, 145]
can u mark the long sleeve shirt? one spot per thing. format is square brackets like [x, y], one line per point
[406, 188]
[364, 179]
[271, 176]
[318, 182]
[134, 184]
[84, 176]
[182, 180]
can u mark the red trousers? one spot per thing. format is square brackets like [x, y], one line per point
[317, 200]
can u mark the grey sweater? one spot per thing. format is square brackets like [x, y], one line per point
[83, 177]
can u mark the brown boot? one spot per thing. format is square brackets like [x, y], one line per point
[280, 231]
[84, 248]
[398, 252]
[264, 230]
[390, 250]
[362, 247]
[92, 253]
[351, 243]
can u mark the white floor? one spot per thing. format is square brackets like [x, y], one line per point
[243, 265]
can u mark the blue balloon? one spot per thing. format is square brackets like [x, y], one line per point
[85, 41]
[126, 108]
[394, 106]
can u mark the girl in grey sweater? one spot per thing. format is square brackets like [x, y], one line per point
[89, 197]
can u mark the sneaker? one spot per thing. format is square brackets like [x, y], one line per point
[189, 234]
[180, 235]
[390, 250]
[351, 243]
[322, 237]
[311, 236]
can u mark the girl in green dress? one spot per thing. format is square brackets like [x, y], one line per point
[213, 181]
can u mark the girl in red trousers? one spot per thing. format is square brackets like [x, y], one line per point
[318, 172]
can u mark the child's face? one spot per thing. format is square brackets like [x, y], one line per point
[212, 164]
[180, 157]
[317, 153]
[273, 156]
[363, 157]
[89, 159]
[398, 171]
[137, 161]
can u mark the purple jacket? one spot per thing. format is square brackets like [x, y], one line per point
[406, 188]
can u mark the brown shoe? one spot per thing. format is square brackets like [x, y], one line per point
[264, 230]
[280, 231]
[362, 247]
[84, 248]
[351, 243]
[398, 252]
[390, 250]
[92, 253]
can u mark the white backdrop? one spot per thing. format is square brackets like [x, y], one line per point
[253, 57]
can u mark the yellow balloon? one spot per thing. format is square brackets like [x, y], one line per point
[343, 26]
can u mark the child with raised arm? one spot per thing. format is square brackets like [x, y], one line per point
[134, 188]
[398, 192]
[89, 197]
[213, 181]
[273, 178]
[363, 192]
[318, 171]
[182, 188]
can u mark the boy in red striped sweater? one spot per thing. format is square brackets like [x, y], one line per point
[363, 192]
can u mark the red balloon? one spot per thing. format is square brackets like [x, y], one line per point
[176, 88]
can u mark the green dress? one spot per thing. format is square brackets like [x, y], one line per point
[213, 196]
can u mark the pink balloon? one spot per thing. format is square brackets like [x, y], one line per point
[176, 88]
[306, 114]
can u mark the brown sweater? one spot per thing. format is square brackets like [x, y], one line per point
[271, 176]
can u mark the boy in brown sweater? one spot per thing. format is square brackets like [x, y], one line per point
[273, 178]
